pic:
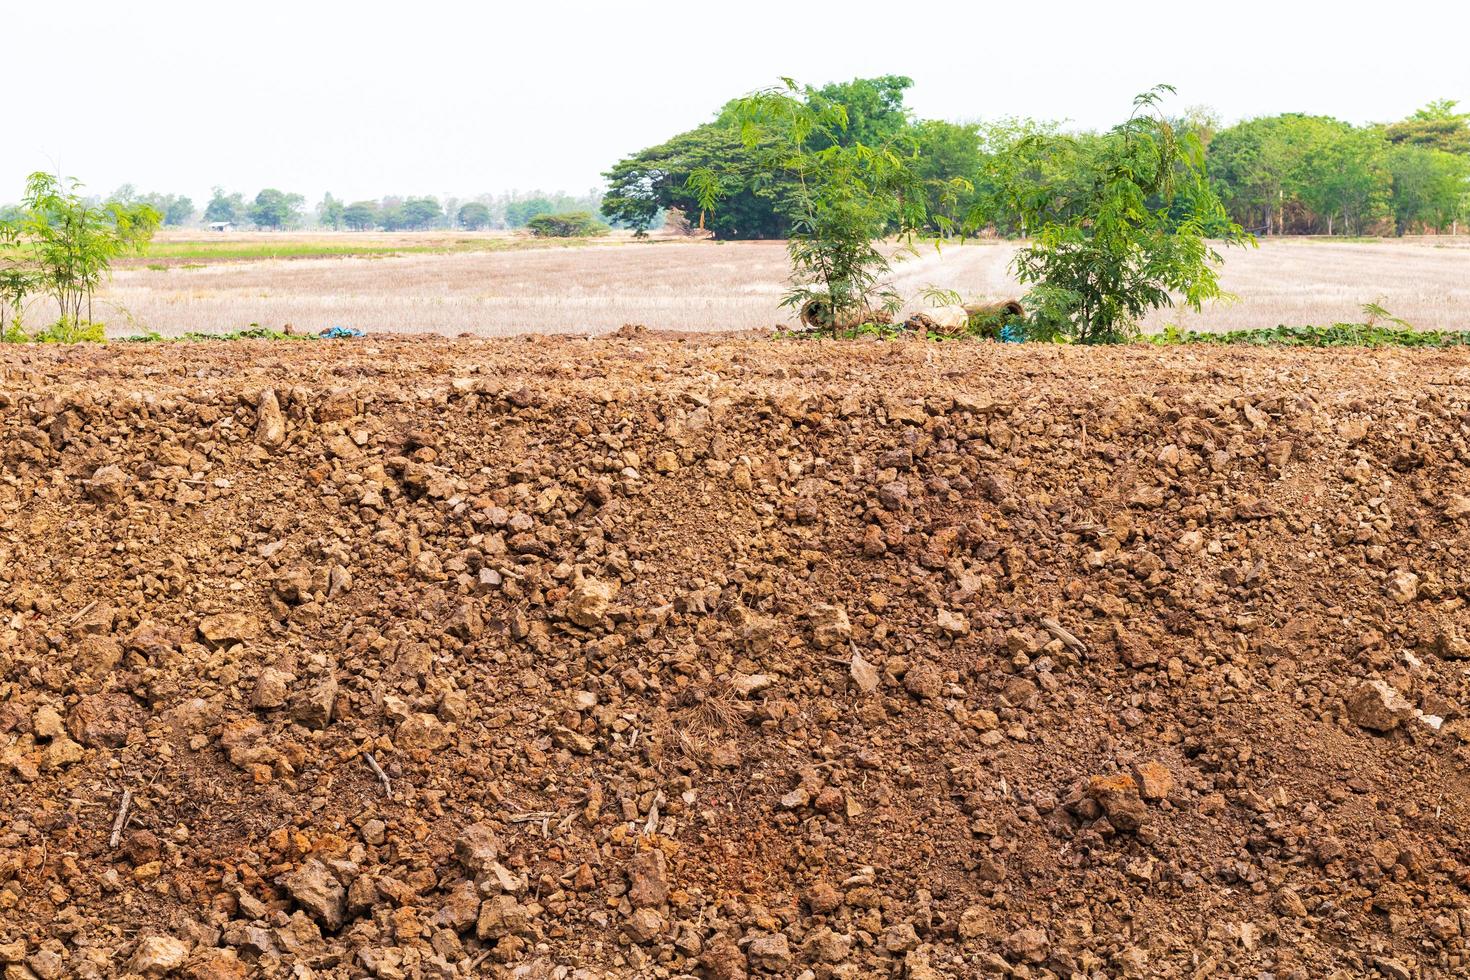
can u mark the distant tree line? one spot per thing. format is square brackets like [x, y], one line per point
[1284, 174]
[275, 210]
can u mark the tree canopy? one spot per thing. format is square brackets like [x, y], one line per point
[275, 209]
[473, 216]
[568, 224]
[360, 215]
[1288, 173]
[224, 207]
[329, 212]
[753, 204]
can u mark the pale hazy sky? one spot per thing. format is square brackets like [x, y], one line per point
[366, 98]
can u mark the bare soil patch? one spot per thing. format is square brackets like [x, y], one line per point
[724, 658]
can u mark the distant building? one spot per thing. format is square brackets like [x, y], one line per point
[221, 226]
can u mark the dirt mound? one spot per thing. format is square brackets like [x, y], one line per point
[730, 658]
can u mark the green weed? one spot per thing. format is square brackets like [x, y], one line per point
[1336, 335]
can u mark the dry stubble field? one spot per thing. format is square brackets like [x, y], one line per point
[494, 285]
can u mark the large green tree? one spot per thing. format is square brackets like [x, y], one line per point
[567, 224]
[276, 209]
[944, 151]
[420, 213]
[329, 212]
[1344, 180]
[176, 209]
[360, 215]
[1257, 165]
[644, 185]
[1429, 187]
[473, 216]
[224, 207]
[755, 201]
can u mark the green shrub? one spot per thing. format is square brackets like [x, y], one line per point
[69, 331]
[1336, 335]
[568, 224]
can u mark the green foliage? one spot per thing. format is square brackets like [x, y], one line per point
[18, 280]
[1379, 328]
[842, 197]
[1336, 335]
[878, 329]
[422, 212]
[1267, 168]
[331, 212]
[571, 224]
[69, 331]
[944, 151]
[275, 209]
[644, 186]
[1297, 173]
[1014, 149]
[176, 209]
[874, 108]
[254, 332]
[519, 214]
[413, 214]
[1429, 187]
[65, 244]
[755, 201]
[1437, 126]
[360, 215]
[224, 207]
[473, 216]
[1126, 235]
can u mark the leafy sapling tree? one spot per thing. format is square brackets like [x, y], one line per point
[69, 244]
[1135, 229]
[17, 282]
[843, 197]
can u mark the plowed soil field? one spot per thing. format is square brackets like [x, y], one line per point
[658, 656]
